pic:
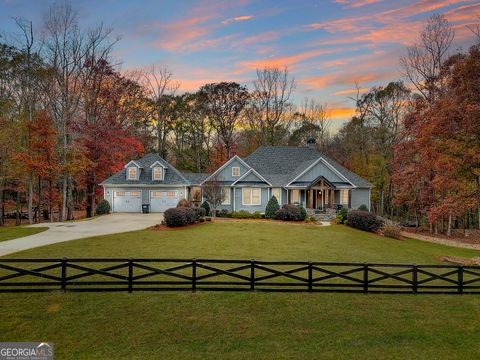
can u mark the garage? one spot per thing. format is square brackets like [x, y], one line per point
[127, 201]
[161, 200]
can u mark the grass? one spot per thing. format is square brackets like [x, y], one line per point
[247, 325]
[14, 232]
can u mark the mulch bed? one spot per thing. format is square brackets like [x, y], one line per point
[160, 227]
[473, 236]
[270, 221]
[459, 260]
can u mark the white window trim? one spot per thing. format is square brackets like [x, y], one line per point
[251, 196]
[161, 173]
[236, 167]
[229, 196]
[128, 173]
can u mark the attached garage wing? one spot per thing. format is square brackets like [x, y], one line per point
[127, 201]
[161, 200]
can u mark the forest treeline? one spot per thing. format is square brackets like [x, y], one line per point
[70, 118]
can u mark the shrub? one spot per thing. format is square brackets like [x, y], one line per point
[272, 208]
[184, 203]
[224, 213]
[363, 207]
[175, 217]
[256, 215]
[303, 212]
[199, 213]
[341, 217]
[190, 214]
[103, 207]
[391, 229]
[242, 214]
[364, 220]
[289, 212]
[206, 206]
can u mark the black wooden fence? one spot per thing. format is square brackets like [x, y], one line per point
[41, 275]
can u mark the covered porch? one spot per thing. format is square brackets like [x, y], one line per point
[320, 194]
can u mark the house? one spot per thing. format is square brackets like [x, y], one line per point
[293, 174]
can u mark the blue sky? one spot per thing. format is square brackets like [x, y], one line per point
[328, 45]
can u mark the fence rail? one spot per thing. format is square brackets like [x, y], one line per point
[95, 274]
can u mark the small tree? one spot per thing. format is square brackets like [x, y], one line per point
[206, 207]
[212, 192]
[272, 208]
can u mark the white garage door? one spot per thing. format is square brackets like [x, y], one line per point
[127, 201]
[161, 200]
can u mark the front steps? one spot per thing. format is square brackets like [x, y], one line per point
[327, 214]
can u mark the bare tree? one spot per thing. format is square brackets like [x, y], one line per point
[225, 103]
[159, 81]
[213, 193]
[475, 28]
[317, 115]
[423, 62]
[270, 104]
[67, 51]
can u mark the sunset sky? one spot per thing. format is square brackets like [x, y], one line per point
[326, 44]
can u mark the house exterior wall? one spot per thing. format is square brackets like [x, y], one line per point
[360, 197]
[108, 193]
[251, 208]
[320, 169]
[226, 173]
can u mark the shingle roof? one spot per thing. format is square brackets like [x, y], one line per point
[276, 163]
[172, 175]
[195, 178]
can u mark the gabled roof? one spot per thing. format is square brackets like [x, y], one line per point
[235, 157]
[195, 178]
[281, 164]
[172, 175]
[252, 171]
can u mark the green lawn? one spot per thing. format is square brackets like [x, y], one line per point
[13, 232]
[247, 325]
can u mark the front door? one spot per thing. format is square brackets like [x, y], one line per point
[319, 201]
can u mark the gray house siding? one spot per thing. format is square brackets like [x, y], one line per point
[320, 169]
[227, 207]
[226, 173]
[251, 208]
[360, 197]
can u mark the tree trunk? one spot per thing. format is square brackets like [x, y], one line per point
[2, 206]
[63, 207]
[449, 228]
[30, 199]
[50, 204]
[69, 198]
[39, 203]
[18, 219]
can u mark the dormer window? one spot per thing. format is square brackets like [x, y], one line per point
[235, 171]
[157, 173]
[132, 173]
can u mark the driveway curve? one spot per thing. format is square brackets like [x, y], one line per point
[66, 231]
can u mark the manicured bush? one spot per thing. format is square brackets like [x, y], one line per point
[103, 207]
[175, 217]
[224, 213]
[190, 214]
[206, 206]
[391, 229]
[363, 207]
[199, 213]
[184, 203]
[364, 220]
[341, 217]
[303, 212]
[243, 214]
[272, 208]
[289, 212]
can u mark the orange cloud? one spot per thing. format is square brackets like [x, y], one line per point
[237, 18]
[341, 113]
[282, 61]
[319, 82]
[350, 4]
[350, 91]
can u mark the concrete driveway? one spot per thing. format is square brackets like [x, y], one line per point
[65, 231]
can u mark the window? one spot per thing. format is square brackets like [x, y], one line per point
[119, 193]
[344, 197]
[225, 196]
[295, 197]
[134, 193]
[251, 196]
[157, 194]
[277, 192]
[157, 173]
[235, 171]
[132, 173]
[171, 194]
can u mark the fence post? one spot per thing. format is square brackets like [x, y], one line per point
[64, 274]
[414, 279]
[460, 279]
[130, 275]
[310, 276]
[365, 278]
[252, 274]
[194, 275]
